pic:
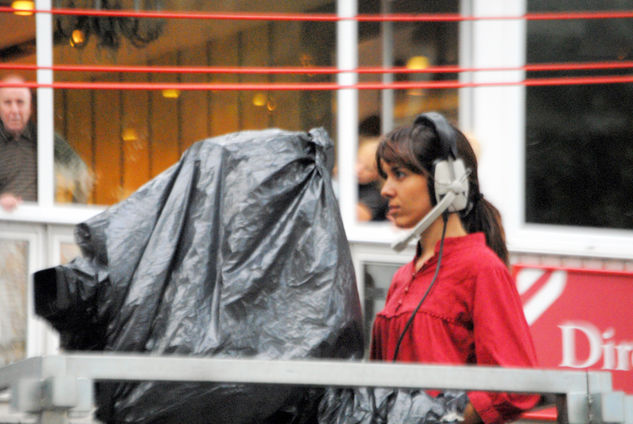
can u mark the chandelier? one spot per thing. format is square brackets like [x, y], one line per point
[108, 30]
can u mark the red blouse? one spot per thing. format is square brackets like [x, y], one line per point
[473, 315]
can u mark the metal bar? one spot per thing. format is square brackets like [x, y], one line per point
[27, 368]
[581, 395]
[137, 367]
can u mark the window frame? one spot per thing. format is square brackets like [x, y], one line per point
[493, 122]
[33, 235]
[495, 115]
[502, 171]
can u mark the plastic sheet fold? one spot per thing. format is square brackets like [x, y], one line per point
[388, 406]
[237, 250]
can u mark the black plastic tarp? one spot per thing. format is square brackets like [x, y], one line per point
[237, 250]
[388, 406]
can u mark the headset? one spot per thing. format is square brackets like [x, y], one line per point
[448, 185]
[449, 172]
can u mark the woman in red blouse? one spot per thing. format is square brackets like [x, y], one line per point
[471, 313]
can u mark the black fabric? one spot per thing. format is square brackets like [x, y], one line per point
[238, 250]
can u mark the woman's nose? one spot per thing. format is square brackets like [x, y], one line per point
[387, 190]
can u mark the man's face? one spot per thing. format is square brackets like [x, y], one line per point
[15, 108]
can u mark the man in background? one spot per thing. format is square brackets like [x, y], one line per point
[18, 146]
[371, 205]
[18, 151]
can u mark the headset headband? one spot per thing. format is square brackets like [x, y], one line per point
[445, 132]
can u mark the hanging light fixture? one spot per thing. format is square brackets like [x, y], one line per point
[23, 7]
[109, 30]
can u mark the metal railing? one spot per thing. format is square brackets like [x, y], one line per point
[54, 386]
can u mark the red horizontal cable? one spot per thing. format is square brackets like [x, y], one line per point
[519, 266]
[329, 17]
[322, 85]
[313, 70]
[535, 16]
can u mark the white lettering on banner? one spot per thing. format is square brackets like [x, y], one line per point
[540, 301]
[614, 355]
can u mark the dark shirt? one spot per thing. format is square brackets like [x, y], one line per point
[18, 163]
[369, 195]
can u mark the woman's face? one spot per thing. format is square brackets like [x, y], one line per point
[407, 193]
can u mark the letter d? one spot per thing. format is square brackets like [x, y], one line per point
[569, 344]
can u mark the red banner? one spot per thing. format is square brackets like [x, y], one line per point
[580, 319]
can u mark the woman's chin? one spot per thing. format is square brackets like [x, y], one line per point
[402, 223]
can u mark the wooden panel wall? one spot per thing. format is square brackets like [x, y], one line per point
[165, 146]
[129, 136]
[135, 135]
[225, 105]
[254, 52]
[107, 149]
[284, 53]
[194, 105]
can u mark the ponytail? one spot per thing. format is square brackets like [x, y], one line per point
[485, 217]
[482, 216]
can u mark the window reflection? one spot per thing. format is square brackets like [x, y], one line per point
[416, 46]
[13, 306]
[123, 138]
[127, 137]
[579, 153]
[18, 161]
[68, 252]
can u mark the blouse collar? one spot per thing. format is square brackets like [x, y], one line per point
[455, 243]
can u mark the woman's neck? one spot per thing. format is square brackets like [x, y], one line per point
[433, 234]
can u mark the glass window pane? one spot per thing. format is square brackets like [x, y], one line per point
[67, 252]
[13, 295]
[416, 46]
[18, 146]
[126, 137]
[579, 155]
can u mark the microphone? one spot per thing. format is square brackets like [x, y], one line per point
[453, 190]
[425, 222]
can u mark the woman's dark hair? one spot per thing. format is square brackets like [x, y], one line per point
[416, 148]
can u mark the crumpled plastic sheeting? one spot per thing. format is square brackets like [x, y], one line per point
[383, 406]
[238, 250]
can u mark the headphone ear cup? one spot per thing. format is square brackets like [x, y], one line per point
[450, 175]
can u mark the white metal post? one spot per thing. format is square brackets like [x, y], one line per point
[387, 95]
[347, 108]
[45, 126]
